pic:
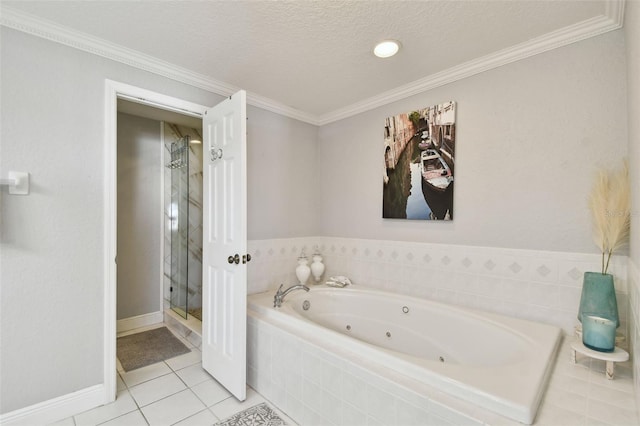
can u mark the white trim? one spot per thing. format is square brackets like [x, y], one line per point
[138, 321]
[21, 21]
[553, 40]
[55, 409]
[611, 20]
[110, 240]
[113, 90]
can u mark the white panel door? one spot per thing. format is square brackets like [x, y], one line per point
[224, 281]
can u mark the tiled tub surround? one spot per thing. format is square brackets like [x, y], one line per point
[537, 285]
[540, 286]
[496, 362]
[316, 383]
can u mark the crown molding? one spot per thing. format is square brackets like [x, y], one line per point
[17, 20]
[611, 20]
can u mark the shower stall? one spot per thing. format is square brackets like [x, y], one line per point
[183, 220]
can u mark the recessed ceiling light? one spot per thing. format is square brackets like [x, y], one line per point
[386, 48]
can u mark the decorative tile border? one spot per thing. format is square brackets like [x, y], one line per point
[273, 262]
[542, 286]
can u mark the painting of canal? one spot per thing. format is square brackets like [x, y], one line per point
[419, 164]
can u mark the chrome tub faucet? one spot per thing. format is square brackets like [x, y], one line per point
[279, 296]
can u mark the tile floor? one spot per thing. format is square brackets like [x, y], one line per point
[173, 392]
[179, 392]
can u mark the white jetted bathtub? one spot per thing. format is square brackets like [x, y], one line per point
[496, 362]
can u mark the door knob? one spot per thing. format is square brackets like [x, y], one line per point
[246, 258]
[234, 259]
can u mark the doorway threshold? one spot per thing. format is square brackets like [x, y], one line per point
[190, 328]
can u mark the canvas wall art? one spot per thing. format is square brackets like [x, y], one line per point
[419, 164]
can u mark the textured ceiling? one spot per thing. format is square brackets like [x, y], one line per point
[314, 56]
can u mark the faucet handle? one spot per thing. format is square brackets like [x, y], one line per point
[280, 289]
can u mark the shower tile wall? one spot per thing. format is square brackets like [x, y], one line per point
[172, 133]
[541, 286]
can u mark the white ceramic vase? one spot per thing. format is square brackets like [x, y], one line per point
[303, 270]
[317, 267]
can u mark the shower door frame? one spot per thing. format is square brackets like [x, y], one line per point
[175, 287]
[113, 91]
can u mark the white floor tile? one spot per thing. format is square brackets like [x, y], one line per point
[186, 360]
[123, 404]
[134, 418]
[210, 392]
[204, 417]
[231, 406]
[172, 409]
[193, 374]
[135, 377]
[156, 389]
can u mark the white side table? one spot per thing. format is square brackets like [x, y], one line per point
[618, 355]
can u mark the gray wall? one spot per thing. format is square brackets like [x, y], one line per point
[139, 216]
[283, 194]
[52, 241]
[529, 138]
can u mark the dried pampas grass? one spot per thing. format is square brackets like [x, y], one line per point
[611, 211]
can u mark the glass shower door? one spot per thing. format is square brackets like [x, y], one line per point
[179, 275]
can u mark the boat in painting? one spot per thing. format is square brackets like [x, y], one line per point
[435, 171]
[425, 141]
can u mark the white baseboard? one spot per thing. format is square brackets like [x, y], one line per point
[56, 409]
[144, 320]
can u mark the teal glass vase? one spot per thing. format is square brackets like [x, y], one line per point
[598, 300]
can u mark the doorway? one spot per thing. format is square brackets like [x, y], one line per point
[159, 197]
[224, 207]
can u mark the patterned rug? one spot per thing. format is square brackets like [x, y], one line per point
[258, 415]
[146, 348]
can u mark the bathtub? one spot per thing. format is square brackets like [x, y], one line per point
[495, 362]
